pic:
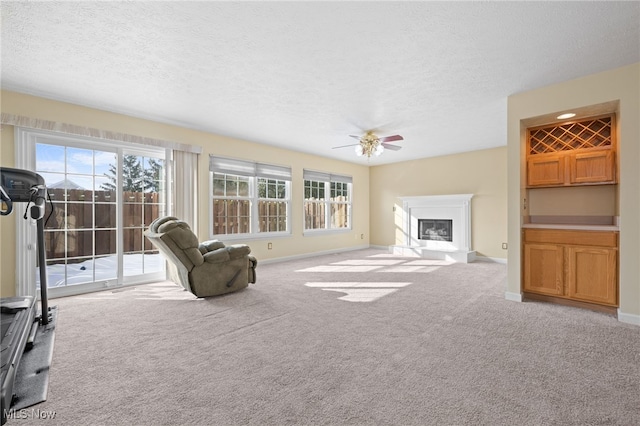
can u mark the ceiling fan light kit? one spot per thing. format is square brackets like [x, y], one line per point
[370, 144]
[369, 147]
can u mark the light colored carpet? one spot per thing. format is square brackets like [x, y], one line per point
[359, 338]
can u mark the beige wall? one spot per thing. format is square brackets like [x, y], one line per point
[7, 223]
[597, 200]
[481, 173]
[621, 88]
[296, 244]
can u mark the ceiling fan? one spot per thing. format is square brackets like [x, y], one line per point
[370, 144]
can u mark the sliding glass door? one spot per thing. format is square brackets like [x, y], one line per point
[103, 197]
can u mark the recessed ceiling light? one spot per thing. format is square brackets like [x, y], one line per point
[567, 115]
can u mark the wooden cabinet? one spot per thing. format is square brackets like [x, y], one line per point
[592, 167]
[545, 170]
[591, 274]
[572, 168]
[544, 269]
[572, 264]
[573, 153]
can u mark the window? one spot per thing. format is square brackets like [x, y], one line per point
[327, 201]
[231, 204]
[249, 198]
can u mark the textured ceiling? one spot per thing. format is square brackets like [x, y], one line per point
[305, 75]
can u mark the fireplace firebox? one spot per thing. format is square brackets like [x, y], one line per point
[435, 229]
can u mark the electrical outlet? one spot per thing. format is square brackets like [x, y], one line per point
[362, 236]
[269, 246]
[504, 246]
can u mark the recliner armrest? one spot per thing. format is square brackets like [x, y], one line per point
[238, 250]
[217, 256]
[210, 245]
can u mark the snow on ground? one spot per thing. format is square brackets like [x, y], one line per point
[101, 269]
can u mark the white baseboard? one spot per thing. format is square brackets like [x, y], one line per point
[514, 297]
[312, 254]
[628, 318]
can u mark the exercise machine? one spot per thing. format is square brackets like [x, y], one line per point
[20, 321]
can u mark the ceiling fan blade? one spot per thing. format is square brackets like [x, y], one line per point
[392, 147]
[391, 138]
[354, 136]
[345, 146]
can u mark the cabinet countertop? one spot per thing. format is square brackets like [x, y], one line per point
[580, 227]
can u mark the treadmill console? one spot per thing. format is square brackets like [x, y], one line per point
[22, 186]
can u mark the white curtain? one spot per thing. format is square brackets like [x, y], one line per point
[185, 187]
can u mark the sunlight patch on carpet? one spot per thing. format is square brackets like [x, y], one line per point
[381, 265]
[342, 284]
[403, 268]
[155, 291]
[389, 256]
[376, 262]
[430, 262]
[362, 294]
[360, 291]
[341, 268]
[410, 268]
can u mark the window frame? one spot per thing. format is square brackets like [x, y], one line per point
[254, 172]
[327, 179]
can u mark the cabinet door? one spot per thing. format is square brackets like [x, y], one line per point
[545, 170]
[591, 167]
[592, 274]
[544, 269]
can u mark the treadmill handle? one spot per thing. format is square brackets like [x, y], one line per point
[4, 197]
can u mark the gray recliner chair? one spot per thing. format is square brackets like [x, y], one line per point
[205, 269]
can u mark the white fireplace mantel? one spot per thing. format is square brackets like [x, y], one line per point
[455, 207]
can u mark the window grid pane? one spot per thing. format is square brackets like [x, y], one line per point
[314, 190]
[272, 216]
[340, 205]
[314, 215]
[339, 215]
[231, 216]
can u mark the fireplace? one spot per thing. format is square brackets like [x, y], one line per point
[435, 229]
[435, 226]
